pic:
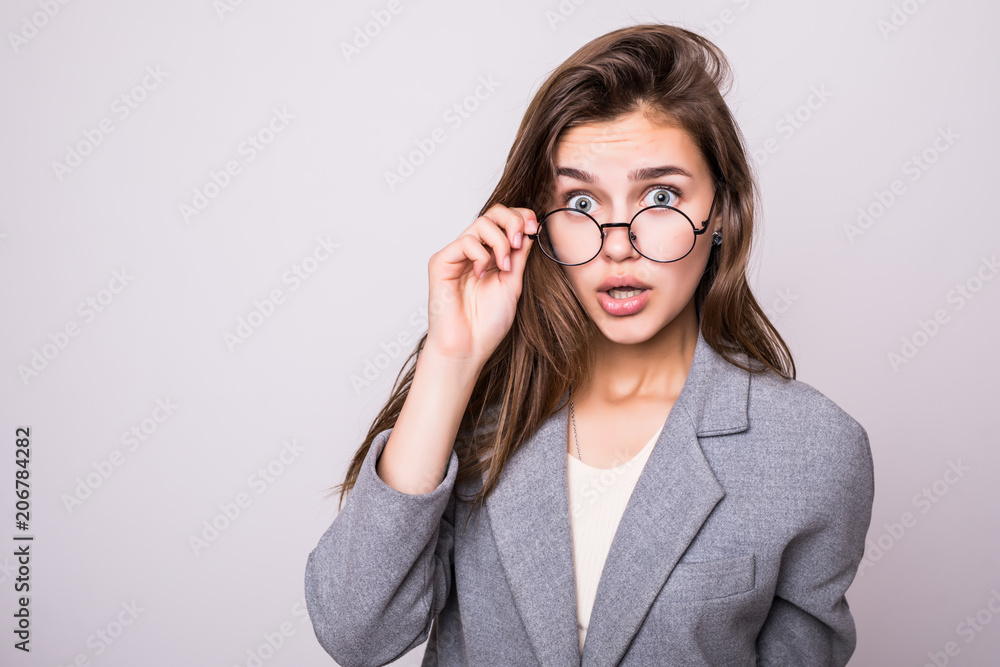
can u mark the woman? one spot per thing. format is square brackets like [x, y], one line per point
[650, 483]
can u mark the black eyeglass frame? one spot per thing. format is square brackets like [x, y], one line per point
[631, 236]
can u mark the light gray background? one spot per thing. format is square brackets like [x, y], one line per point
[843, 304]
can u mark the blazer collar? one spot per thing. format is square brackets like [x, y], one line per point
[529, 517]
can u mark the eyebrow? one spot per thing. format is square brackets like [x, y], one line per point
[577, 174]
[649, 173]
[644, 174]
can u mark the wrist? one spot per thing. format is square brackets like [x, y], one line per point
[454, 363]
[447, 371]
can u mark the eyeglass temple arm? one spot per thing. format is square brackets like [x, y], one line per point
[704, 225]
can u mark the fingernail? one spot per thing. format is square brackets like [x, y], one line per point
[506, 263]
[517, 240]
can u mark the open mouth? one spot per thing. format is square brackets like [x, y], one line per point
[624, 292]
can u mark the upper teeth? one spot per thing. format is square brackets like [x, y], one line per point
[623, 293]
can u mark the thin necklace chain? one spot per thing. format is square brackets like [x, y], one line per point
[573, 417]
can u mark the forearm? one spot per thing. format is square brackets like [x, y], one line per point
[416, 456]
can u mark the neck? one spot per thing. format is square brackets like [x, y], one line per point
[655, 369]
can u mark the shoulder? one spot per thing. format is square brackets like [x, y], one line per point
[800, 404]
[808, 435]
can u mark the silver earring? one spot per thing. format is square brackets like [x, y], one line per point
[716, 238]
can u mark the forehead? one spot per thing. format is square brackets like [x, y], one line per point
[628, 142]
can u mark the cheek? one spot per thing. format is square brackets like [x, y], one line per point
[683, 276]
[578, 282]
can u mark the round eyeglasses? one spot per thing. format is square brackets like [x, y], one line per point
[659, 233]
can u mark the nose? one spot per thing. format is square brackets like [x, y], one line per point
[617, 246]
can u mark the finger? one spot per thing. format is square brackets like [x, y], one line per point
[495, 237]
[477, 253]
[460, 255]
[530, 220]
[513, 221]
[519, 258]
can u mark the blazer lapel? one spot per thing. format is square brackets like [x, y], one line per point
[529, 517]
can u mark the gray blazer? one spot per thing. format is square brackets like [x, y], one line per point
[744, 531]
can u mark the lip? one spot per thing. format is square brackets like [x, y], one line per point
[620, 307]
[621, 281]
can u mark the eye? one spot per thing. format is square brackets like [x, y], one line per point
[584, 203]
[660, 196]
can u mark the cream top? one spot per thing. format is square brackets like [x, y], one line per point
[597, 500]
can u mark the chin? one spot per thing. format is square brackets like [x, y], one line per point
[629, 330]
[637, 328]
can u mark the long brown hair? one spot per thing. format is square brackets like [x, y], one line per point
[677, 75]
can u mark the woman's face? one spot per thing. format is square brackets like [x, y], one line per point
[612, 170]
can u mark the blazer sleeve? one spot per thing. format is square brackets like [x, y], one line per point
[382, 571]
[810, 623]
